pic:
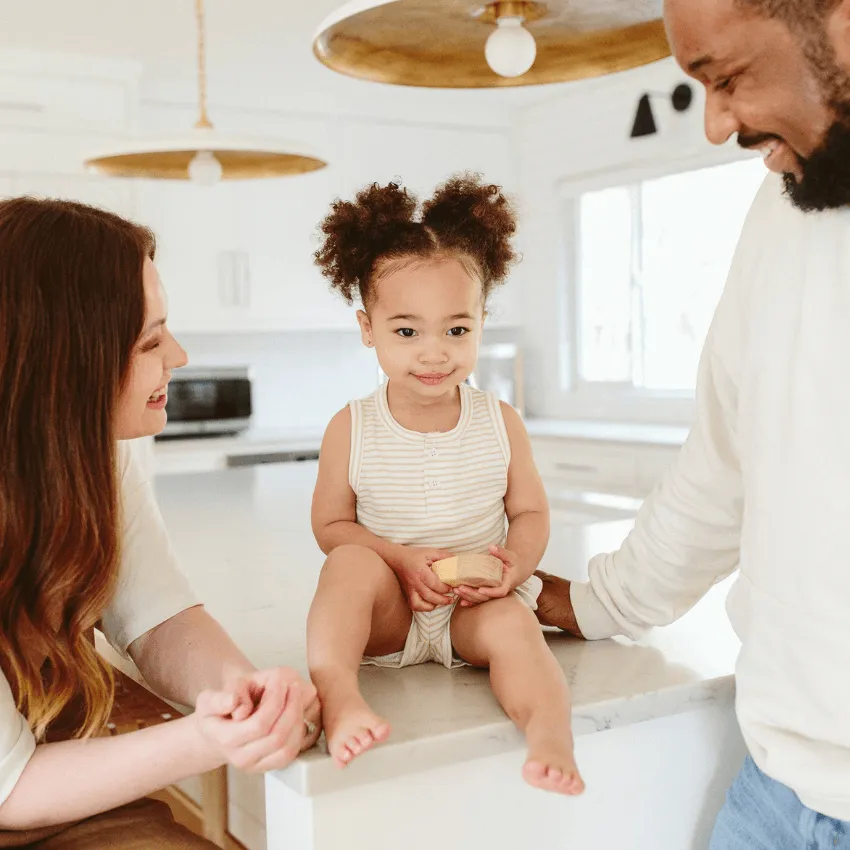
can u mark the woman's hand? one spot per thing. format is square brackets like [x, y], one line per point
[258, 723]
[424, 591]
[249, 690]
[472, 596]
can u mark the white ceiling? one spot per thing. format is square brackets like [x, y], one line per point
[258, 51]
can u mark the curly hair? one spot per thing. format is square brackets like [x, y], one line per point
[466, 219]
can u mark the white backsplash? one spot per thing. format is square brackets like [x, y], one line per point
[299, 379]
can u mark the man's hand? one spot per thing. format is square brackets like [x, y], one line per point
[554, 606]
[472, 596]
[424, 591]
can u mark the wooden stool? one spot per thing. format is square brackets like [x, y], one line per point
[138, 708]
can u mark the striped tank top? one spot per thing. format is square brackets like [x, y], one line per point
[440, 489]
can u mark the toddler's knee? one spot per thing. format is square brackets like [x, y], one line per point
[351, 558]
[508, 616]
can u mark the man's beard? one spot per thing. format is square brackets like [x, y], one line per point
[825, 184]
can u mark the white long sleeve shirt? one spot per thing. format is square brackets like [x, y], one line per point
[763, 485]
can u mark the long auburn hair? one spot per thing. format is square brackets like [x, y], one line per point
[72, 308]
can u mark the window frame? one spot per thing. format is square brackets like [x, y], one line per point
[604, 400]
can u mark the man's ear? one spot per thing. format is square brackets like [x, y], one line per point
[838, 32]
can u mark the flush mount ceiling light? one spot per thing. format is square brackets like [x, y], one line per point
[681, 98]
[203, 155]
[467, 44]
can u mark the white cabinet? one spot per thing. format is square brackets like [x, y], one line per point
[56, 110]
[422, 157]
[192, 227]
[260, 232]
[114, 195]
[599, 466]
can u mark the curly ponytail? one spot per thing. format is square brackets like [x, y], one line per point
[466, 219]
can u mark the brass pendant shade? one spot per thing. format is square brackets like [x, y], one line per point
[203, 155]
[442, 43]
[239, 159]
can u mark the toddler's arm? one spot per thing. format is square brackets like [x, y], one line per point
[334, 518]
[334, 514]
[526, 505]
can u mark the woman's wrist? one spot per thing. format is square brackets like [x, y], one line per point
[198, 749]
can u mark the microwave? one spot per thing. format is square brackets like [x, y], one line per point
[208, 402]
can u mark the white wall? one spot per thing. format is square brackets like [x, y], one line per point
[300, 380]
[581, 138]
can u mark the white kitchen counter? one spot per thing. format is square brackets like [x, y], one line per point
[245, 542]
[631, 433]
[208, 454]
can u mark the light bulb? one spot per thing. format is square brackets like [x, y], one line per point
[205, 169]
[511, 48]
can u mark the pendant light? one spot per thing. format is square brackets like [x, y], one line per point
[467, 44]
[203, 155]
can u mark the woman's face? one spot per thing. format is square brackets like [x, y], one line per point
[141, 407]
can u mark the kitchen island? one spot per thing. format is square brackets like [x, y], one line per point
[655, 733]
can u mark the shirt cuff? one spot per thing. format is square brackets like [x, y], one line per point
[148, 620]
[592, 617]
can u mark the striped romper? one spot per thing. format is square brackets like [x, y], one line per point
[444, 490]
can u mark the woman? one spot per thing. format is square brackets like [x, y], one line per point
[85, 360]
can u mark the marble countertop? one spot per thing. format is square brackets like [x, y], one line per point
[609, 432]
[243, 537]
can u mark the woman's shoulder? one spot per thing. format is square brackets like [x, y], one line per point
[135, 463]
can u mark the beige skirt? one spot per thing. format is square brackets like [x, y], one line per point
[143, 825]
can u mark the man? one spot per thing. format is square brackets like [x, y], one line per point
[762, 484]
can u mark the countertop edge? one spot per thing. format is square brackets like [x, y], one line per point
[315, 774]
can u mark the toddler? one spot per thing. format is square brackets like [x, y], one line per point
[428, 467]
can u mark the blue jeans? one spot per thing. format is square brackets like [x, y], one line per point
[762, 814]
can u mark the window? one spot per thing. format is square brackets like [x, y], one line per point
[652, 262]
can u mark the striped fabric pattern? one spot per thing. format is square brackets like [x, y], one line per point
[440, 489]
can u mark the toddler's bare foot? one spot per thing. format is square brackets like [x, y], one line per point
[551, 762]
[351, 727]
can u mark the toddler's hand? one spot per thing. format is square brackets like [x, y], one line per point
[274, 732]
[471, 596]
[424, 591]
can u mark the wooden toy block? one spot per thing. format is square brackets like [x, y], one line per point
[471, 570]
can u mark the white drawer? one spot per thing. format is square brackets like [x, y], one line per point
[586, 465]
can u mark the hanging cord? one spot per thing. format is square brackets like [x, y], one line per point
[203, 118]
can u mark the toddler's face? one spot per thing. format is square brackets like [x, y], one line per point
[425, 324]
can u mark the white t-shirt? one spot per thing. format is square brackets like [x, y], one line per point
[762, 485]
[151, 590]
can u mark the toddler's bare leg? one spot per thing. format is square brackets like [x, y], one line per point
[504, 635]
[359, 609]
